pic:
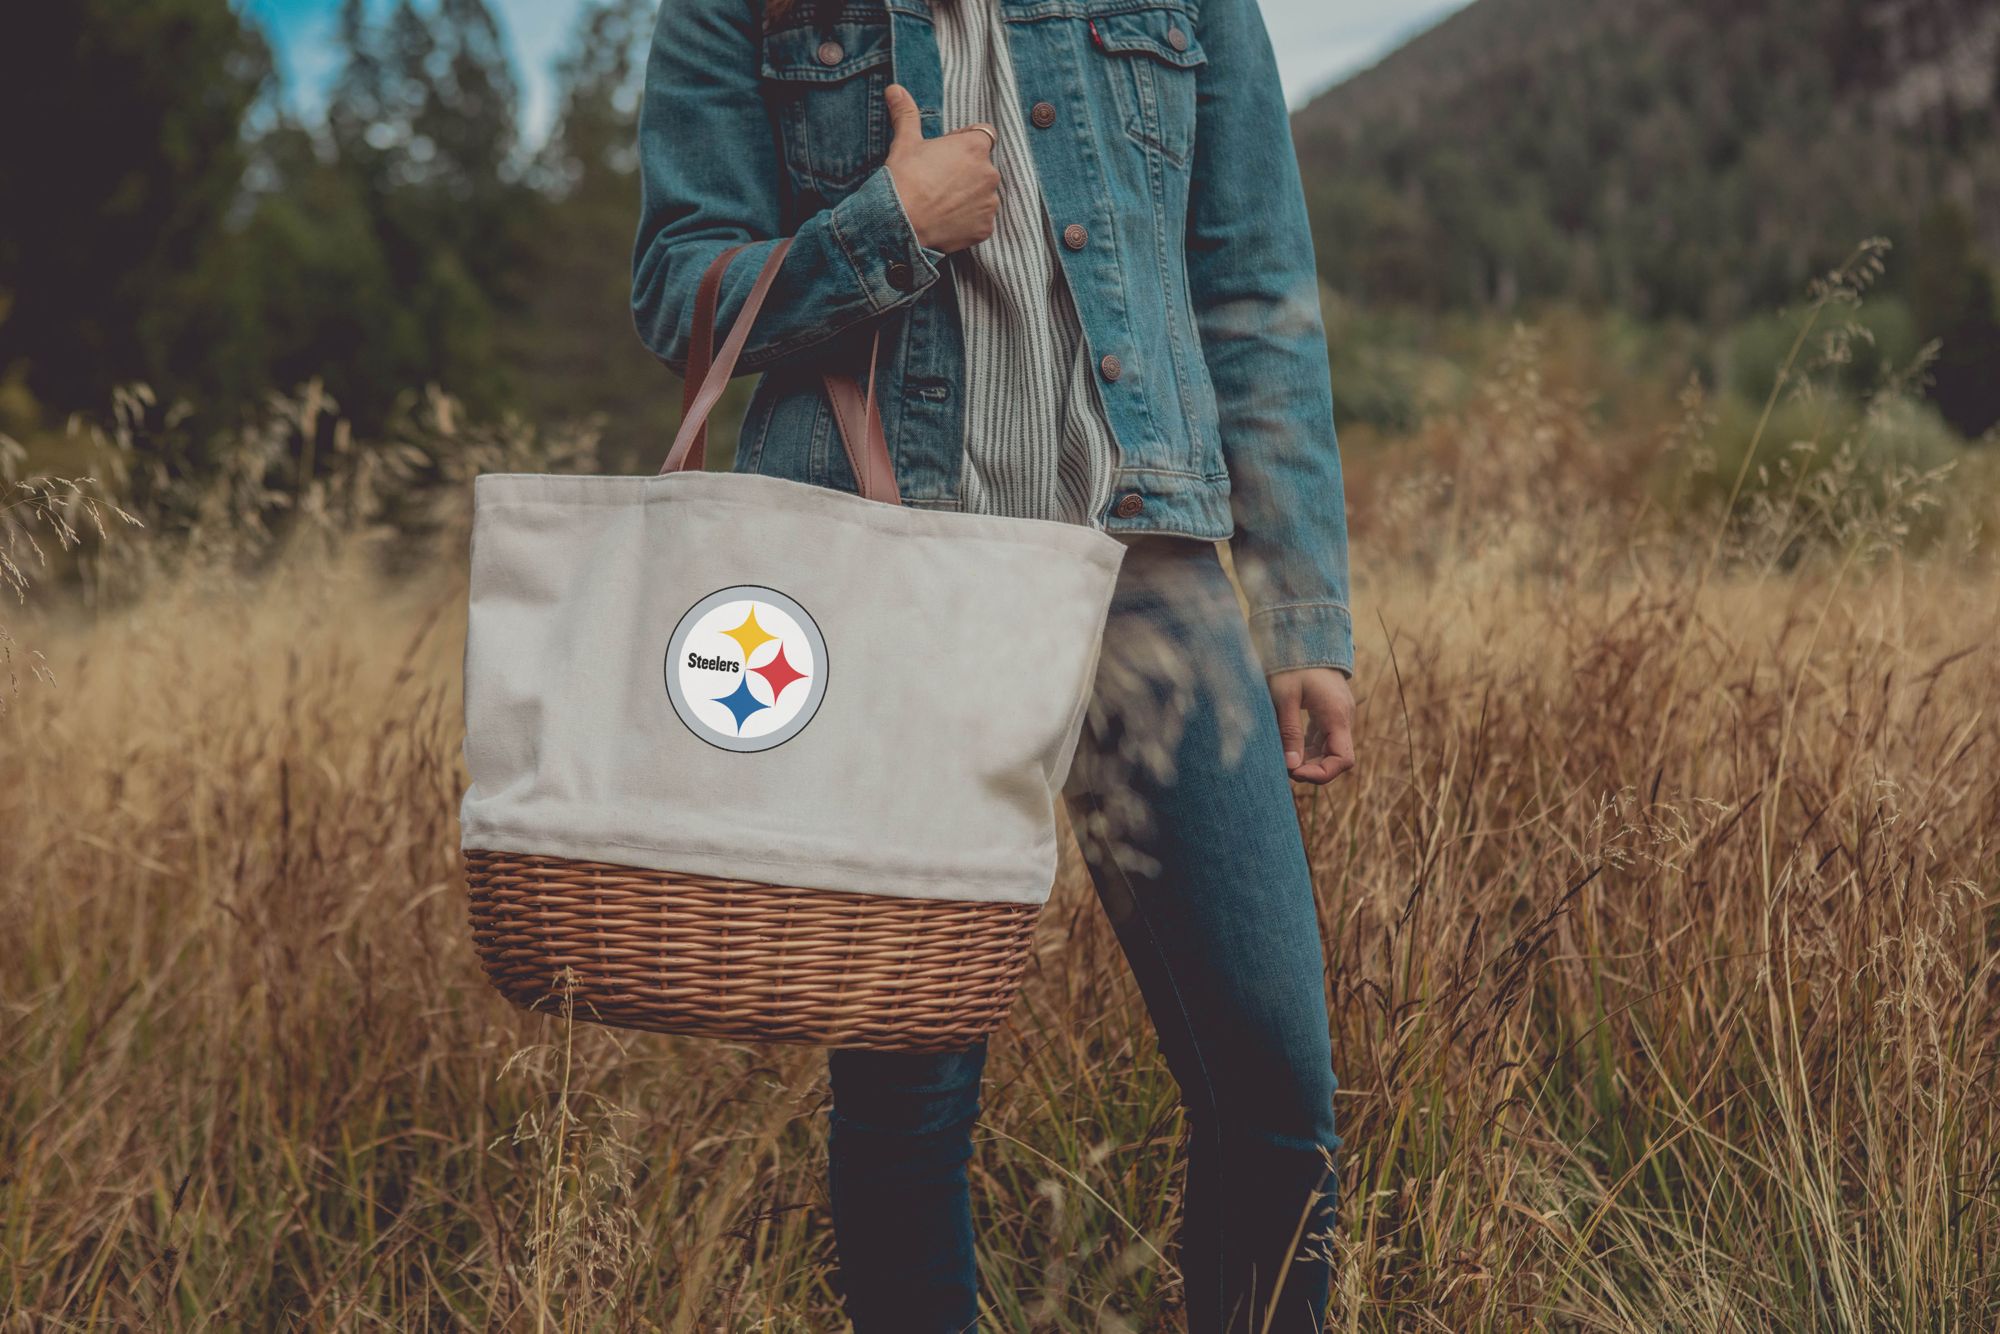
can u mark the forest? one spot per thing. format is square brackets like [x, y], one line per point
[180, 223]
[189, 231]
[1691, 163]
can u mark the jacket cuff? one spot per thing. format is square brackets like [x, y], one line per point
[890, 265]
[1303, 634]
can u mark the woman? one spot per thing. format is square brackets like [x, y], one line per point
[1078, 227]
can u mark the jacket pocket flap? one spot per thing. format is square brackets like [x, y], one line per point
[1167, 35]
[813, 55]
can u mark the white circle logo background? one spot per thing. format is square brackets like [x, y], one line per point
[778, 657]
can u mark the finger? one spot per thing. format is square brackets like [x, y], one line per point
[1332, 741]
[1291, 722]
[1333, 757]
[985, 132]
[1340, 746]
[906, 123]
[1336, 758]
[1320, 772]
[1335, 753]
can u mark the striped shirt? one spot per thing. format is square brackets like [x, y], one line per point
[1037, 442]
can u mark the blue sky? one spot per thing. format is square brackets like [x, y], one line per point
[1317, 40]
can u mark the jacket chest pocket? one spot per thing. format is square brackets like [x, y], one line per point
[1153, 59]
[825, 89]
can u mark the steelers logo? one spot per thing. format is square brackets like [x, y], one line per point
[746, 668]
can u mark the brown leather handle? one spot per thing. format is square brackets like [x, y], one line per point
[701, 345]
[716, 376]
[859, 417]
[856, 413]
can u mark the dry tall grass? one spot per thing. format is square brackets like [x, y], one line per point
[1660, 916]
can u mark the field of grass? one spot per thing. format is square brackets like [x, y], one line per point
[1661, 926]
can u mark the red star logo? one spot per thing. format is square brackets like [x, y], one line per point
[779, 673]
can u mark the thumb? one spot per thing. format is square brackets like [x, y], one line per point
[906, 123]
[1291, 726]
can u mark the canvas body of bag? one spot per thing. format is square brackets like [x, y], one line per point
[757, 759]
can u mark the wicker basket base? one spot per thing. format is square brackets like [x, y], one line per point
[740, 959]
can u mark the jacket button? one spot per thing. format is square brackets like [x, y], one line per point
[1111, 366]
[901, 276]
[830, 53]
[1075, 237]
[1175, 38]
[1130, 504]
[1043, 114]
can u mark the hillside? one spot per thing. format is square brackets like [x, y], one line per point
[1696, 158]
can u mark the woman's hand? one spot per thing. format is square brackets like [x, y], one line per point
[1322, 694]
[949, 186]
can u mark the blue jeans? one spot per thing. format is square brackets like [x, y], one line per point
[1184, 812]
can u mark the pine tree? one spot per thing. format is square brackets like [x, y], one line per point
[574, 340]
[120, 160]
[1956, 301]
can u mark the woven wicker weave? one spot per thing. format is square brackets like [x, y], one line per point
[739, 959]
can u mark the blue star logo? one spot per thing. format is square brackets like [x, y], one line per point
[741, 703]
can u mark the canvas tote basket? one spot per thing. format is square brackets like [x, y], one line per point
[756, 759]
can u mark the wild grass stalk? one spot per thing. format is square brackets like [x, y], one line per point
[1662, 943]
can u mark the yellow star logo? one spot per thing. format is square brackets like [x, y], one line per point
[750, 634]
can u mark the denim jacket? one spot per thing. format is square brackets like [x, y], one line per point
[1161, 141]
